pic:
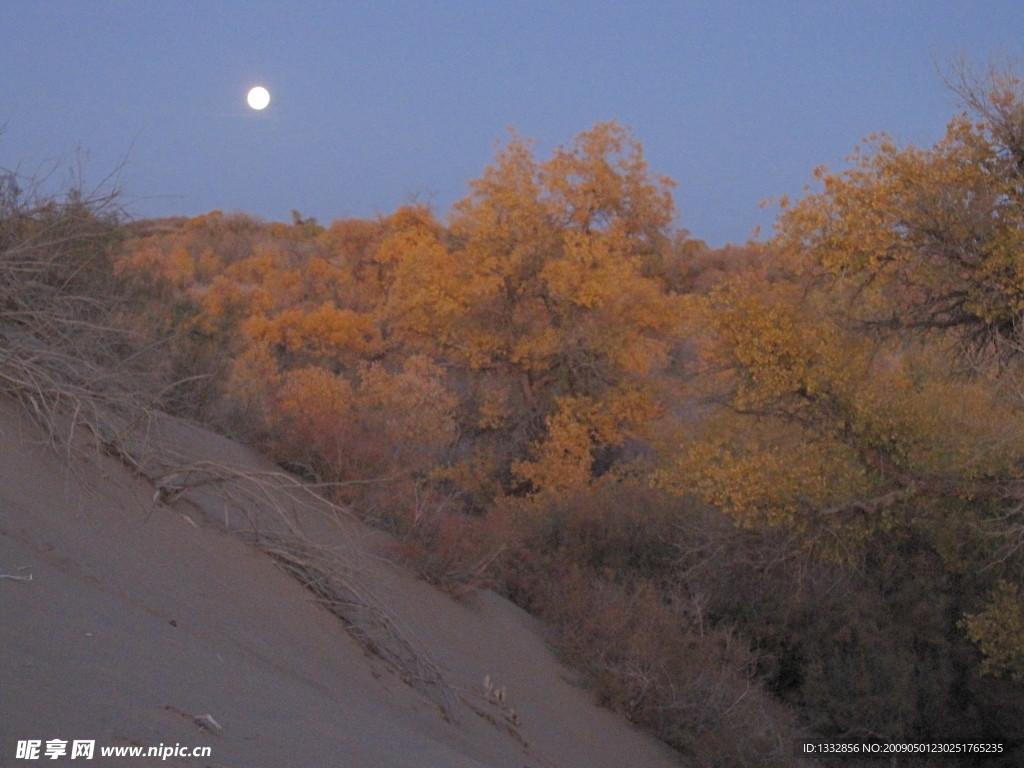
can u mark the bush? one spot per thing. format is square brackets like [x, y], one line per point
[651, 656]
[67, 351]
[601, 568]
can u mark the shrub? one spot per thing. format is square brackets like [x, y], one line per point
[67, 352]
[651, 656]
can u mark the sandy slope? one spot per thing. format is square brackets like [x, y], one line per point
[139, 622]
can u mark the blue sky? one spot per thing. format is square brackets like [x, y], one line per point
[379, 103]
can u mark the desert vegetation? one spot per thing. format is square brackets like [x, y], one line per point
[759, 493]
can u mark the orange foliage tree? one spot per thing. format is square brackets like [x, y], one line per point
[544, 294]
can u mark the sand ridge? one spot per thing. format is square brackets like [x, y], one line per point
[146, 623]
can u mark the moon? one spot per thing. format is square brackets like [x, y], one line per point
[258, 97]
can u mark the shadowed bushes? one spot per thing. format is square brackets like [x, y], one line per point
[602, 569]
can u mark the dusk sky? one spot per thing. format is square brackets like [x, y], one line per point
[375, 104]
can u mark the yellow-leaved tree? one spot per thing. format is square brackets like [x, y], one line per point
[545, 298]
[867, 376]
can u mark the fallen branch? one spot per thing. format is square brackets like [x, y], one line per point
[271, 510]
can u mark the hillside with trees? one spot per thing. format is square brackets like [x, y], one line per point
[760, 493]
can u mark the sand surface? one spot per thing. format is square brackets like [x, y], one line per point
[147, 624]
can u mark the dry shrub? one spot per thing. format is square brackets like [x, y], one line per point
[651, 657]
[306, 534]
[617, 526]
[455, 551]
[67, 353]
[599, 567]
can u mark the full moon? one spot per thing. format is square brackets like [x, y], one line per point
[258, 97]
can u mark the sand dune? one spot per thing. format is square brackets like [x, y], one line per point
[149, 624]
